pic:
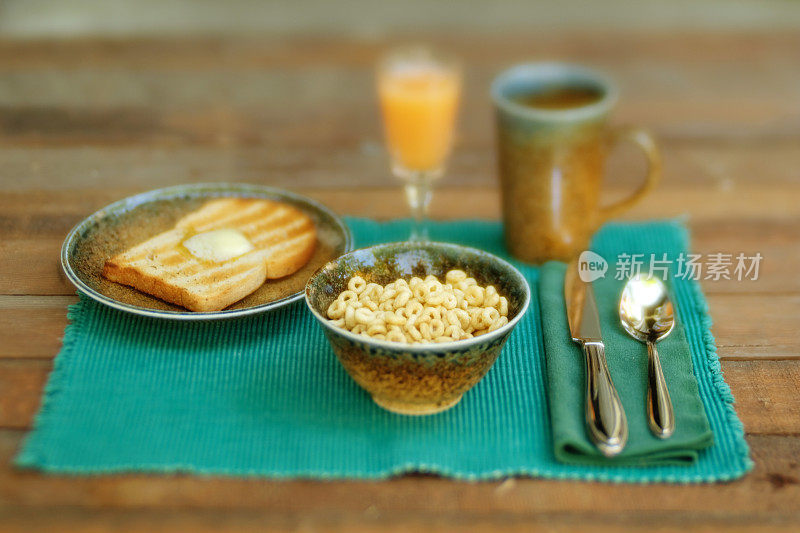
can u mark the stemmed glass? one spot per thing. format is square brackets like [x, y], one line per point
[419, 91]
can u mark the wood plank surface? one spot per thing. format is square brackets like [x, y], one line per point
[412, 501]
[689, 86]
[48, 18]
[93, 118]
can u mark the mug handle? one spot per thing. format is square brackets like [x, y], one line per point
[645, 141]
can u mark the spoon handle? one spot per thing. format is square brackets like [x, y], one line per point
[660, 415]
[605, 417]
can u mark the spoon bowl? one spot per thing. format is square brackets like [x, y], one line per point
[647, 314]
[645, 309]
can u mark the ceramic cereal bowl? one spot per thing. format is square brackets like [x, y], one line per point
[416, 379]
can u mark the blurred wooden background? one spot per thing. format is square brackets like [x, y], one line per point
[101, 99]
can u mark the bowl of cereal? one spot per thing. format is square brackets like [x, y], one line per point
[417, 324]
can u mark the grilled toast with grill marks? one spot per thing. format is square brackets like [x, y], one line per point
[282, 238]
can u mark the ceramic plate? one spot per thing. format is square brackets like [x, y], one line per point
[130, 221]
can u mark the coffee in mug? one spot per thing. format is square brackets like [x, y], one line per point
[552, 143]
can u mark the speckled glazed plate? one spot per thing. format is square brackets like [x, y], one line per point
[133, 220]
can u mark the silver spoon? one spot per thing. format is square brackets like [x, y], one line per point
[646, 312]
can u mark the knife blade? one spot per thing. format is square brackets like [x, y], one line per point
[606, 423]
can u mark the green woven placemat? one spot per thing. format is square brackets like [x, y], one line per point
[265, 396]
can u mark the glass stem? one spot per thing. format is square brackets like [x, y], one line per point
[419, 194]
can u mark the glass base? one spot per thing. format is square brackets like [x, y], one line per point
[414, 176]
[419, 192]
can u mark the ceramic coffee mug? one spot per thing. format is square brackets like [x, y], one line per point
[552, 143]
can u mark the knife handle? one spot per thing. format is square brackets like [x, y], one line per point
[605, 417]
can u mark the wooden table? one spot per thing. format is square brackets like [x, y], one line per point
[87, 121]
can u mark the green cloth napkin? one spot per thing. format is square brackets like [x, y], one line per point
[627, 361]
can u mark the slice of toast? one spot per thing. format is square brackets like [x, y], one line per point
[282, 238]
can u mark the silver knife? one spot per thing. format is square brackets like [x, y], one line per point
[605, 417]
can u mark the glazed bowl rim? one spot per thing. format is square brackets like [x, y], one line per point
[429, 346]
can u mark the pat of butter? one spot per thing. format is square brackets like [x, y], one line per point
[218, 245]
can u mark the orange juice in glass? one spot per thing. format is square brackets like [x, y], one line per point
[419, 93]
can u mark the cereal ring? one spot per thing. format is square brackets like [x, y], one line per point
[430, 313]
[435, 296]
[414, 308]
[396, 335]
[474, 295]
[455, 275]
[376, 328]
[357, 284]
[388, 294]
[489, 315]
[348, 296]
[413, 332]
[336, 309]
[374, 291]
[394, 318]
[476, 318]
[454, 331]
[499, 323]
[437, 328]
[402, 298]
[364, 315]
[464, 318]
[350, 317]
[502, 306]
[425, 330]
[491, 299]
[449, 300]
[465, 283]
[450, 317]
[420, 292]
